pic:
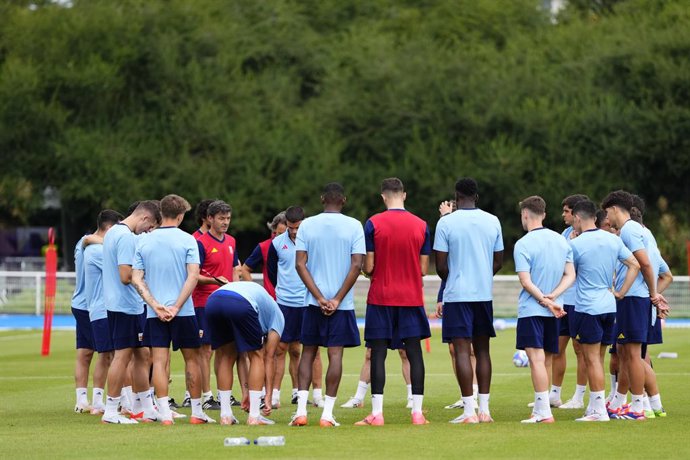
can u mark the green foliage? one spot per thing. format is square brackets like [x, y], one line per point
[261, 103]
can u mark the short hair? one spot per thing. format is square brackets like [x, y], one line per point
[174, 205]
[108, 217]
[392, 185]
[620, 198]
[294, 214]
[132, 207]
[638, 202]
[599, 218]
[150, 207]
[218, 207]
[534, 204]
[636, 215]
[571, 200]
[277, 220]
[467, 187]
[585, 209]
[333, 192]
[201, 211]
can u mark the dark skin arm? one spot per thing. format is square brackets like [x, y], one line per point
[442, 264]
[498, 261]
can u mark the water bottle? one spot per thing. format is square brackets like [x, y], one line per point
[231, 442]
[270, 441]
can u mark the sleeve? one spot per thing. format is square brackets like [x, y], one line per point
[202, 252]
[255, 259]
[569, 253]
[302, 239]
[623, 251]
[192, 252]
[236, 260]
[439, 297]
[498, 244]
[89, 279]
[369, 235]
[358, 246]
[271, 264]
[138, 259]
[426, 247]
[522, 258]
[663, 266]
[632, 237]
[441, 236]
[126, 249]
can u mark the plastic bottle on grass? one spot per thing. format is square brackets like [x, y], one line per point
[231, 442]
[270, 441]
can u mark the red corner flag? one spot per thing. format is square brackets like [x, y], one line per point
[51, 269]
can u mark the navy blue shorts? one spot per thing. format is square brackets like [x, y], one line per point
[200, 313]
[102, 339]
[338, 330]
[231, 318]
[292, 332]
[464, 320]
[126, 330]
[632, 319]
[84, 334]
[395, 324]
[181, 331]
[564, 321]
[590, 329]
[537, 332]
[654, 335]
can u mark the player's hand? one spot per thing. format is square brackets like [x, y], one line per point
[439, 309]
[662, 308]
[618, 295]
[267, 407]
[245, 402]
[656, 298]
[445, 208]
[574, 234]
[333, 304]
[550, 296]
[323, 304]
[221, 280]
[162, 312]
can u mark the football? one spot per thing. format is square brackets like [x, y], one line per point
[520, 359]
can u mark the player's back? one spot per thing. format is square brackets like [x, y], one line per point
[93, 276]
[270, 316]
[397, 238]
[118, 249]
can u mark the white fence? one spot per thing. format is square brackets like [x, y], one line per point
[23, 292]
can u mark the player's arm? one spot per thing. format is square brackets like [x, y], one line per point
[664, 281]
[424, 252]
[270, 362]
[91, 239]
[245, 272]
[355, 269]
[633, 270]
[252, 263]
[424, 264]
[143, 290]
[125, 274]
[498, 261]
[368, 267]
[301, 258]
[567, 280]
[647, 272]
[187, 287]
[442, 264]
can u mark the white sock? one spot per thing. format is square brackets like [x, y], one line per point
[97, 398]
[409, 391]
[618, 400]
[302, 397]
[254, 403]
[580, 393]
[376, 404]
[484, 403]
[614, 382]
[636, 404]
[328, 408]
[318, 395]
[555, 394]
[127, 400]
[475, 390]
[225, 407]
[468, 402]
[597, 400]
[197, 410]
[275, 399]
[645, 403]
[137, 405]
[164, 407]
[542, 407]
[294, 392]
[417, 403]
[187, 395]
[82, 397]
[111, 404]
[146, 401]
[263, 392]
[655, 402]
[206, 395]
[362, 388]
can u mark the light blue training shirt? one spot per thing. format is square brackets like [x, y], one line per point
[290, 290]
[79, 296]
[93, 275]
[270, 316]
[118, 249]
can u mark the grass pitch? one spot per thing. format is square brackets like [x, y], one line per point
[37, 397]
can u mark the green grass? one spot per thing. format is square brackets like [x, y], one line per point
[37, 396]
